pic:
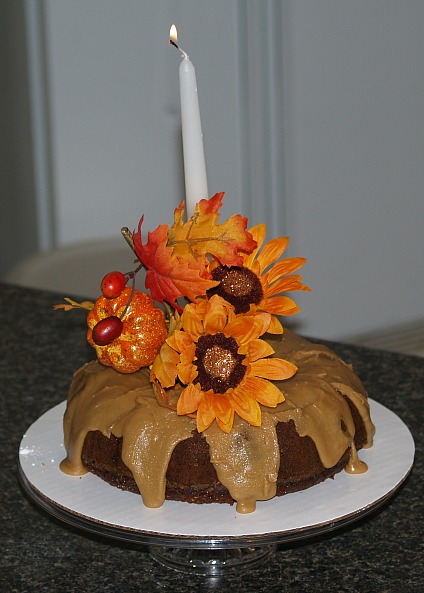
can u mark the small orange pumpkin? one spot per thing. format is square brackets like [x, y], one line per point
[143, 333]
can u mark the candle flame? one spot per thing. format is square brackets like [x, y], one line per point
[173, 34]
[173, 40]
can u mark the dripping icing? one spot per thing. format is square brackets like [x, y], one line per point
[247, 459]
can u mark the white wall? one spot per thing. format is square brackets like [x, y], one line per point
[342, 105]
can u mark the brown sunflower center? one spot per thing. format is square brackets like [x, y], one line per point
[239, 286]
[218, 363]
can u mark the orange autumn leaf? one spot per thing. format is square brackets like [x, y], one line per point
[169, 277]
[203, 235]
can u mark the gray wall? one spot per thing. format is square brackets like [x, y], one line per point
[18, 217]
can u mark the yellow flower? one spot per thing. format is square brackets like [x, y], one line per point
[261, 279]
[222, 364]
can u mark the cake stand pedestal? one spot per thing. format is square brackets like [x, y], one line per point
[212, 561]
[211, 540]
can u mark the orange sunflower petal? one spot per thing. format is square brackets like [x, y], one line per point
[216, 315]
[205, 411]
[193, 318]
[165, 366]
[187, 372]
[257, 349]
[262, 321]
[256, 269]
[179, 340]
[187, 355]
[246, 328]
[266, 393]
[287, 284]
[258, 233]
[223, 410]
[274, 369]
[271, 251]
[245, 405]
[295, 284]
[284, 267]
[189, 400]
[226, 427]
[281, 305]
[275, 326]
[241, 326]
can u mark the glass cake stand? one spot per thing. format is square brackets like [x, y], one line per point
[212, 539]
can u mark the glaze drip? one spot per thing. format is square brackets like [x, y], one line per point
[246, 461]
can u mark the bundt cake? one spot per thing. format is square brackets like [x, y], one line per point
[115, 428]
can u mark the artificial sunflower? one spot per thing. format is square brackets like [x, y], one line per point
[261, 279]
[221, 363]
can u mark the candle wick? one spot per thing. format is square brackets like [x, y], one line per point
[180, 49]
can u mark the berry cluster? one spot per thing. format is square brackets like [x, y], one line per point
[110, 328]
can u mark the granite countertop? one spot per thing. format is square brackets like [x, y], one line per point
[40, 349]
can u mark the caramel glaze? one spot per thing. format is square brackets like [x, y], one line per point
[247, 459]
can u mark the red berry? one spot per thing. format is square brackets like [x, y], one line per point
[107, 330]
[113, 284]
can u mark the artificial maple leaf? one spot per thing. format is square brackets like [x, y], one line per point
[169, 277]
[202, 235]
[87, 305]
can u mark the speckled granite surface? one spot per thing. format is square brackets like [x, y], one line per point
[40, 349]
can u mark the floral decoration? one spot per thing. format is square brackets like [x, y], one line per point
[222, 363]
[222, 289]
[261, 279]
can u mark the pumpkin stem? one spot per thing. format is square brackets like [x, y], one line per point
[130, 297]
